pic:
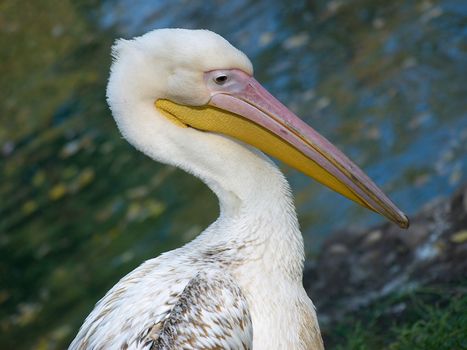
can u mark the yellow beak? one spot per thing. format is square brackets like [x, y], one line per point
[254, 116]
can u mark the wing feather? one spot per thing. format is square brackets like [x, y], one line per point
[170, 303]
[210, 314]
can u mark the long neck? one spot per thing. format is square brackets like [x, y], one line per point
[258, 222]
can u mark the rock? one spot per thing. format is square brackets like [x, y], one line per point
[354, 269]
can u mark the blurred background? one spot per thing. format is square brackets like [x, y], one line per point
[79, 207]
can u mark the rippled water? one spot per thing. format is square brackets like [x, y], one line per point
[79, 207]
[384, 81]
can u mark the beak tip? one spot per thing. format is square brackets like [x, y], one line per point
[404, 222]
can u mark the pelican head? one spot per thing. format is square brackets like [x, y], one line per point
[189, 98]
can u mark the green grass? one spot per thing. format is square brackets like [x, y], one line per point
[437, 328]
[428, 319]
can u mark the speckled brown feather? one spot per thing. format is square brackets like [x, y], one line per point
[211, 314]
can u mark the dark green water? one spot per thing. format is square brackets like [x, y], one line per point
[79, 207]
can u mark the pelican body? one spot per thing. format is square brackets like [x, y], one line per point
[188, 98]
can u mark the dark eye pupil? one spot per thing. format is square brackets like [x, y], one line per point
[221, 79]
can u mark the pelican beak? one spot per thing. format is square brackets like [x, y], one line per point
[248, 112]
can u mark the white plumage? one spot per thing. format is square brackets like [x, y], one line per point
[238, 285]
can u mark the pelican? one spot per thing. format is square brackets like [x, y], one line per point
[188, 98]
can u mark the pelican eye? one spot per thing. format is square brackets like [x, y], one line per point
[221, 79]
